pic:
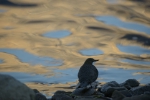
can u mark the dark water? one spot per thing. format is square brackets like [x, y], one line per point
[91, 52]
[131, 49]
[112, 20]
[27, 57]
[57, 34]
[70, 75]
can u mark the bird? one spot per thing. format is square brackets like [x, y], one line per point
[88, 73]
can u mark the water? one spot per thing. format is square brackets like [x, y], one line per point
[70, 75]
[91, 52]
[26, 57]
[136, 62]
[112, 20]
[120, 75]
[2, 10]
[8, 27]
[1, 61]
[136, 50]
[60, 76]
[57, 34]
[112, 1]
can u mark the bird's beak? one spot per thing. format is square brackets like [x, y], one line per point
[96, 60]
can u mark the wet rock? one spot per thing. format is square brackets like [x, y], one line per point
[40, 96]
[85, 91]
[126, 93]
[12, 89]
[140, 90]
[130, 83]
[108, 85]
[139, 97]
[61, 95]
[109, 88]
[117, 95]
[89, 98]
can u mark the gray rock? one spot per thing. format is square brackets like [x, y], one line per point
[119, 96]
[12, 89]
[140, 90]
[126, 93]
[40, 96]
[61, 95]
[83, 91]
[110, 90]
[138, 97]
[110, 87]
[105, 87]
[130, 83]
[86, 91]
[92, 98]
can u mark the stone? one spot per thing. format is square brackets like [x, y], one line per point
[12, 89]
[110, 87]
[130, 83]
[40, 96]
[86, 91]
[83, 91]
[61, 95]
[110, 90]
[140, 90]
[117, 95]
[138, 97]
[126, 93]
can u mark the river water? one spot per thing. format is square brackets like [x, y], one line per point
[45, 42]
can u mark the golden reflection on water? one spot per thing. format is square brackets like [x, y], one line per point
[22, 27]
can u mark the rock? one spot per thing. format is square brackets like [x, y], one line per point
[126, 93]
[140, 90]
[110, 90]
[83, 91]
[94, 97]
[92, 85]
[110, 87]
[12, 89]
[61, 95]
[89, 98]
[117, 95]
[40, 96]
[36, 91]
[138, 97]
[130, 83]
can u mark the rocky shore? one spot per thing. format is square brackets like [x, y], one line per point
[131, 89]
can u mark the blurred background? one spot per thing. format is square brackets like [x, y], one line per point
[43, 43]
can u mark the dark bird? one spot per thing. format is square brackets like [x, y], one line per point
[88, 73]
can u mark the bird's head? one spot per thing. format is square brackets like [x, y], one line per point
[90, 61]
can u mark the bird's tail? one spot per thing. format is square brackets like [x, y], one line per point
[83, 84]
